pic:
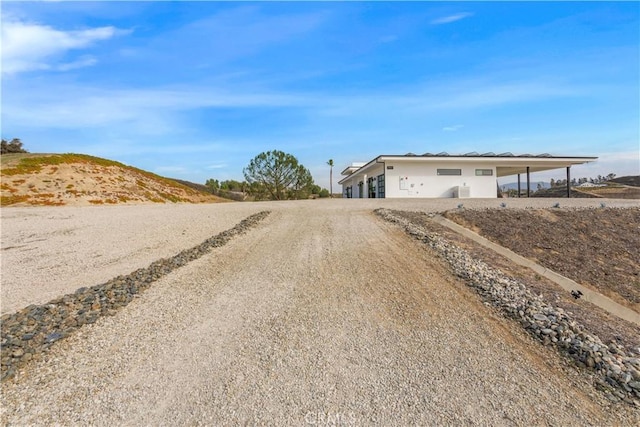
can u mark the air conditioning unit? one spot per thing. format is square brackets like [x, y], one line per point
[461, 192]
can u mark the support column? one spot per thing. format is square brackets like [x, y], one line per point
[568, 182]
[518, 185]
[528, 183]
[365, 188]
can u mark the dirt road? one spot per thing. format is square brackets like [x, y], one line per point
[320, 316]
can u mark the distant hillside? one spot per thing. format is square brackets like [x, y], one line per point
[614, 189]
[523, 185]
[199, 187]
[633, 181]
[225, 194]
[77, 179]
[561, 191]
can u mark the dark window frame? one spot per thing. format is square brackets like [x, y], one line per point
[380, 186]
[372, 187]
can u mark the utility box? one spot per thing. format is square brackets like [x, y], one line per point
[461, 192]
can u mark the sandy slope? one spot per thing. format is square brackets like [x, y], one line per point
[80, 180]
[322, 311]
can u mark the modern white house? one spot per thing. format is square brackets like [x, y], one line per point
[444, 176]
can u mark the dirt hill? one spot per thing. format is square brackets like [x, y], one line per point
[633, 181]
[619, 188]
[78, 179]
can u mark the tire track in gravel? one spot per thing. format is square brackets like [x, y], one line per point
[316, 317]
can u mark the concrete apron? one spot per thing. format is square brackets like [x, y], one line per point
[567, 284]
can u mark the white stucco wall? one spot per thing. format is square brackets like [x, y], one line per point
[417, 176]
[352, 182]
[354, 179]
[422, 180]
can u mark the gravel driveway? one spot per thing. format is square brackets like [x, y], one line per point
[322, 315]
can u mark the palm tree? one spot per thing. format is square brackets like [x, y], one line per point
[330, 163]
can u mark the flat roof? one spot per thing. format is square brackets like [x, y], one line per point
[506, 163]
[352, 168]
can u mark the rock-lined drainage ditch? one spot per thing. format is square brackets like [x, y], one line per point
[32, 330]
[617, 373]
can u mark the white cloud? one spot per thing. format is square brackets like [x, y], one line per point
[30, 46]
[84, 61]
[451, 18]
[217, 166]
[151, 111]
[155, 111]
[458, 95]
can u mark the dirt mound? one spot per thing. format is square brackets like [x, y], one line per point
[595, 247]
[77, 179]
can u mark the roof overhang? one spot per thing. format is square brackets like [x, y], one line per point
[505, 165]
[352, 168]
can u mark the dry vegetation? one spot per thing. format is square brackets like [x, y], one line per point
[590, 260]
[614, 191]
[76, 179]
[595, 247]
[626, 187]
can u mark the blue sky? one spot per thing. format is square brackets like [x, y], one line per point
[195, 90]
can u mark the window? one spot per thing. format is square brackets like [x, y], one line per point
[449, 171]
[371, 184]
[484, 172]
[381, 186]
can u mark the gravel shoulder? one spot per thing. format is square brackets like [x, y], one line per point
[321, 311]
[610, 328]
[48, 252]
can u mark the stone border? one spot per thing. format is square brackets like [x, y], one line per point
[617, 374]
[32, 330]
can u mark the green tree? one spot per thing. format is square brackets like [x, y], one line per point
[301, 188]
[15, 146]
[213, 185]
[330, 163]
[232, 185]
[278, 176]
